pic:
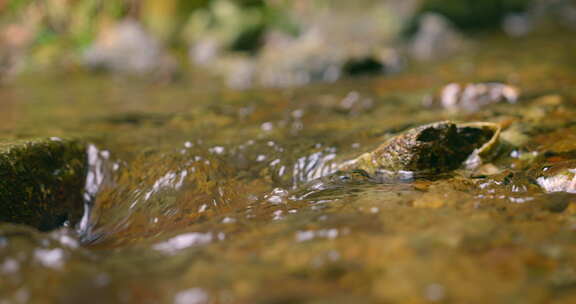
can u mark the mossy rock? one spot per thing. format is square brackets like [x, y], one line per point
[42, 181]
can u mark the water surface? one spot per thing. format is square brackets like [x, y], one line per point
[198, 192]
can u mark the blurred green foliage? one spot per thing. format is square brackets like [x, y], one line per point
[238, 26]
[475, 14]
[62, 27]
[471, 15]
[78, 21]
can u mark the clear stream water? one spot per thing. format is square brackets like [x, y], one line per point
[197, 192]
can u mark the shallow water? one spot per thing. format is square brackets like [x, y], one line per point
[200, 194]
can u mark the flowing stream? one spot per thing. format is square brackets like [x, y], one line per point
[197, 195]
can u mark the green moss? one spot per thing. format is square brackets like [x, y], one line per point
[41, 182]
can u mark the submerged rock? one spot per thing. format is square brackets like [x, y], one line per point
[41, 182]
[473, 96]
[434, 148]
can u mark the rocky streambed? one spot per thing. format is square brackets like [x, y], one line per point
[198, 195]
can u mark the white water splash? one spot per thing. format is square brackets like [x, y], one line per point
[314, 166]
[169, 180]
[95, 177]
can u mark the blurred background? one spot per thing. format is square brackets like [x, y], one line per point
[247, 43]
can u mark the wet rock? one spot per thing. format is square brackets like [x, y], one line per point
[436, 38]
[431, 149]
[473, 96]
[424, 151]
[41, 182]
[127, 48]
